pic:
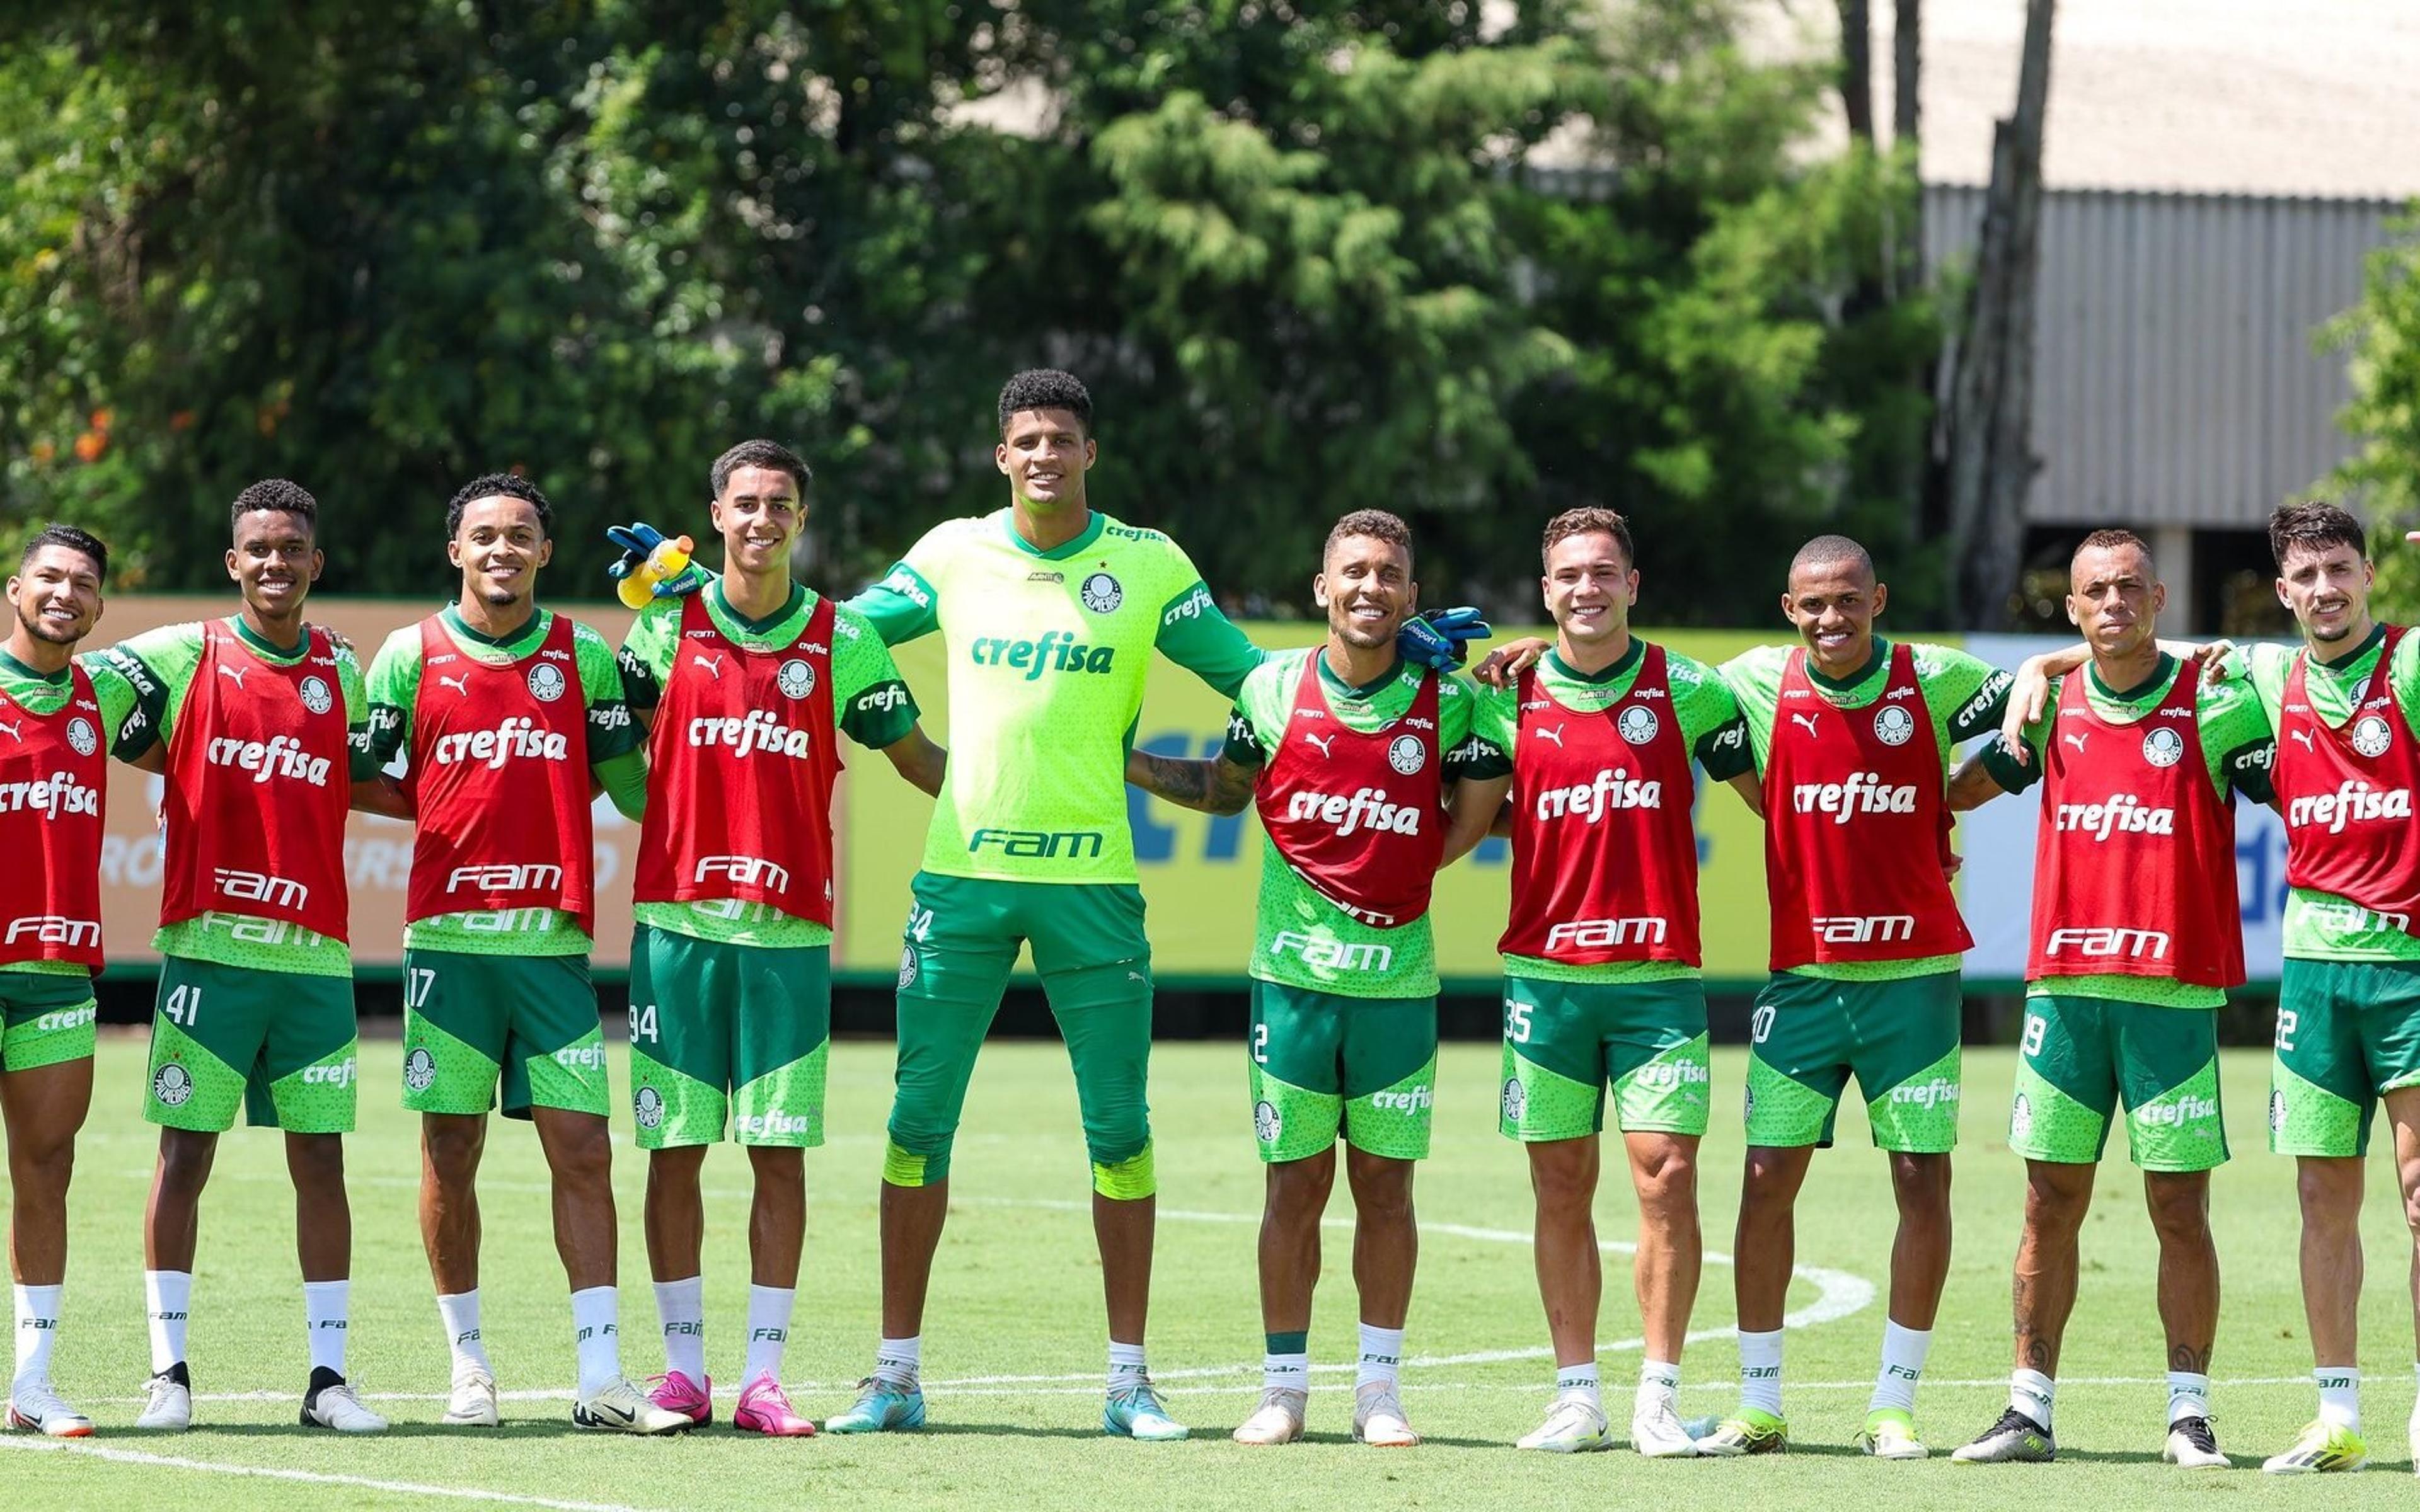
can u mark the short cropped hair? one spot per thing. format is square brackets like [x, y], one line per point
[2314, 525]
[2111, 540]
[56, 533]
[771, 455]
[283, 495]
[492, 486]
[1376, 524]
[1591, 520]
[1833, 551]
[1046, 388]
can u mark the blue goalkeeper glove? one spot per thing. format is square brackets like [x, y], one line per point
[639, 541]
[1441, 637]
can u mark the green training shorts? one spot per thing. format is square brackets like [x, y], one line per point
[528, 1021]
[46, 1018]
[1899, 1039]
[727, 1033]
[278, 1044]
[1323, 1064]
[2081, 1057]
[2347, 1032]
[1565, 1041]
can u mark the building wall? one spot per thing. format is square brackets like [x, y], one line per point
[2175, 382]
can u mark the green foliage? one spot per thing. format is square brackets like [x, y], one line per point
[2380, 335]
[1296, 251]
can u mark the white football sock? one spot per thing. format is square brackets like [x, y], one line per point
[168, 1297]
[1659, 1380]
[459, 1312]
[681, 1306]
[2188, 1395]
[898, 1361]
[2031, 1393]
[2339, 1397]
[768, 1330]
[325, 1308]
[596, 1331]
[1761, 1371]
[1125, 1365]
[37, 1328]
[1903, 1352]
[1579, 1380]
[1285, 1372]
[1382, 1355]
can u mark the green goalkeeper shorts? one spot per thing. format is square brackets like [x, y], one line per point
[1899, 1039]
[2081, 1057]
[1564, 1041]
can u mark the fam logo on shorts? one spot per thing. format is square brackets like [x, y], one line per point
[1894, 725]
[908, 965]
[2372, 734]
[1406, 755]
[316, 696]
[647, 1107]
[1516, 1100]
[1637, 724]
[2021, 1117]
[1267, 1123]
[172, 1085]
[419, 1070]
[1101, 594]
[797, 678]
[2164, 747]
[545, 682]
[82, 738]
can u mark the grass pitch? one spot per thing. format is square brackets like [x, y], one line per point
[1014, 1335]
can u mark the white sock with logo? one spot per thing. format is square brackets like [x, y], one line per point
[596, 1331]
[459, 1312]
[1382, 1356]
[1126, 1367]
[1579, 1380]
[681, 1306]
[1761, 1371]
[168, 1298]
[37, 1328]
[2188, 1395]
[1903, 1352]
[899, 1361]
[2339, 1397]
[768, 1330]
[2031, 1393]
[326, 1306]
[1659, 1381]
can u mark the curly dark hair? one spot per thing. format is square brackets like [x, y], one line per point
[498, 484]
[56, 533]
[1046, 388]
[2314, 525]
[760, 453]
[282, 495]
[1375, 524]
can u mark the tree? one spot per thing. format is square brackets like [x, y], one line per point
[2381, 338]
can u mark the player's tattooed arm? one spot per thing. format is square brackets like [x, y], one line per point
[1217, 785]
[2029, 695]
[1476, 803]
[917, 759]
[381, 795]
[1972, 785]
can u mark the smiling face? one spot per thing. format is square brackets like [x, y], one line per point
[2328, 589]
[1832, 604]
[1590, 588]
[1367, 589]
[759, 516]
[274, 562]
[499, 545]
[2114, 599]
[57, 594]
[1044, 455]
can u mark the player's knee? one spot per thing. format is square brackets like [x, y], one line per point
[1117, 1131]
[1382, 1188]
[453, 1145]
[1921, 1182]
[1562, 1173]
[2329, 1191]
[1127, 1179]
[185, 1159]
[315, 1161]
[1665, 1174]
[2056, 1195]
[2179, 1206]
[904, 1165]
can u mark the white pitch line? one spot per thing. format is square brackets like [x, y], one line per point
[400, 1488]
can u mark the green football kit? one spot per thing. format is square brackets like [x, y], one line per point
[2348, 994]
[253, 1013]
[1574, 1029]
[1344, 1036]
[731, 997]
[1048, 653]
[2148, 1042]
[47, 1011]
[503, 996]
[1893, 1024]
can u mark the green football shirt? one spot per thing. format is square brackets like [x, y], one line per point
[2315, 925]
[2237, 747]
[614, 755]
[869, 705]
[160, 665]
[1302, 939]
[1047, 654]
[1964, 695]
[44, 694]
[1710, 728]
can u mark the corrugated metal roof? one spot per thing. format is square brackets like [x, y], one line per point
[2175, 382]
